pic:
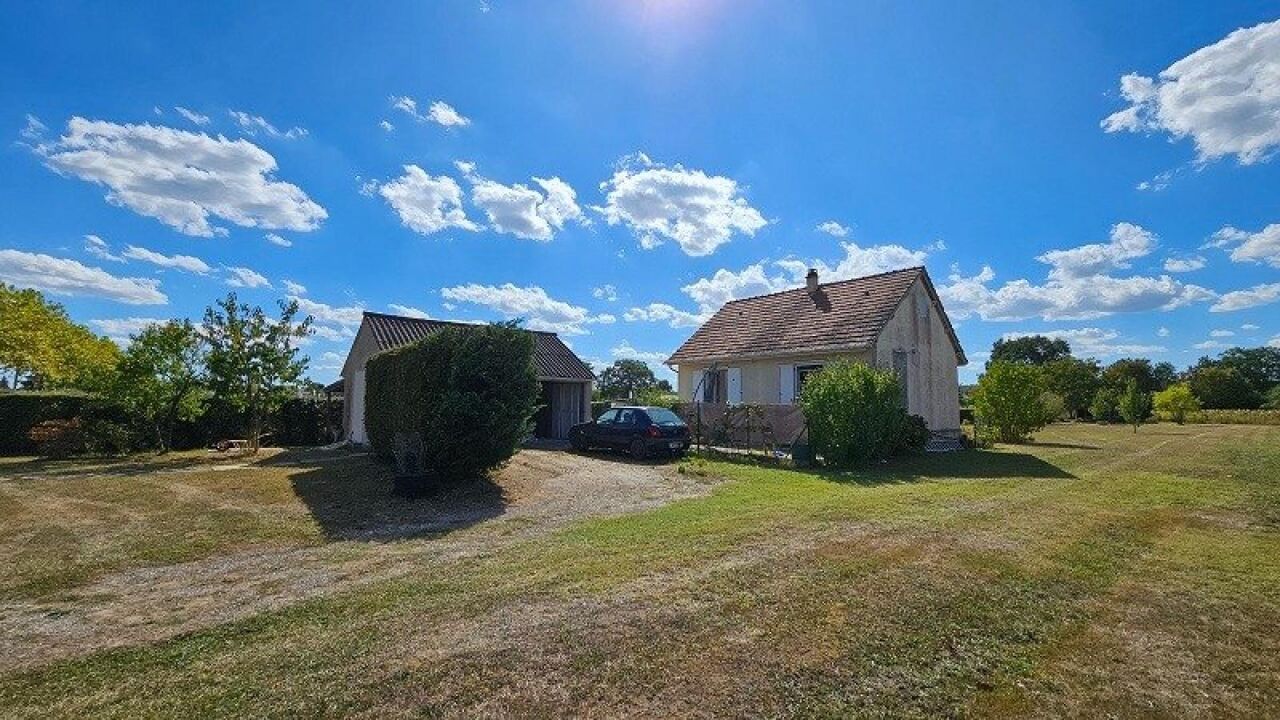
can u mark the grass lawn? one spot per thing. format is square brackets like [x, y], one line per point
[1094, 573]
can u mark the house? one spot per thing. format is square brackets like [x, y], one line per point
[565, 380]
[761, 349]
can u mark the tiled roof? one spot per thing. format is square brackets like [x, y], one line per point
[552, 359]
[843, 315]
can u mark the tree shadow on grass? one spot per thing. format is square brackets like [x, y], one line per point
[351, 498]
[136, 465]
[964, 464]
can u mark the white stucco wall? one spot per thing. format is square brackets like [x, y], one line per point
[362, 348]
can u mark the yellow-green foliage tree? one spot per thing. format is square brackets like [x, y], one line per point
[1176, 402]
[1007, 401]
[42, 348]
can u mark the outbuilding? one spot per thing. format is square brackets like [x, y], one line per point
[565, 380]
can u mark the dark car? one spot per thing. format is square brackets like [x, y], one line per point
[641, 431]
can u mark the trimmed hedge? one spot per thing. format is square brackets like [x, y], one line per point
[454, 405]
[20, 411]
[1228, 417]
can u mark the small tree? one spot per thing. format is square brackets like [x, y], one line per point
[1104, 407]
[253, 360]
[1076, 381]
[1134, 404]
[626, 378]
[1008, 402]
[853, 413]
[160, 377]
[1177, 401]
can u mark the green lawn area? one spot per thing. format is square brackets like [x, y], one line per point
[1094, 573]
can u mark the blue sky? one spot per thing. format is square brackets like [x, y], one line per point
[615, 171]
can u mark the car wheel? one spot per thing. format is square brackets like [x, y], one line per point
[639, 450]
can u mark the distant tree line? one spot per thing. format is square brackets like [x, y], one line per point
[1035, 379]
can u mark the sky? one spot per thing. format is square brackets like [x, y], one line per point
[616, 171]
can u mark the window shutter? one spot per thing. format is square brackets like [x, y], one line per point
[699, 391]
[734, 376]
[786, 384]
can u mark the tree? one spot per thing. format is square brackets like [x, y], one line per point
[160, 377]
[1105, 405]
[1220, 388]
[1272, 401]
[1007, 400]
[1119, 373]
[1260, 367]
[41, 347]
[1134, 404]
[1164, 374]
[625, 378]
[1030, 350]
[1075, 381]
[1177, 401]
[253, 360]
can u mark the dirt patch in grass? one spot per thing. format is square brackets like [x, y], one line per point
[537, 492]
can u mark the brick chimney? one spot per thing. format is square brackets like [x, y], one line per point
[811, 281]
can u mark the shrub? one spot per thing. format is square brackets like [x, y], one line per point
[1008, 403]
[467, 393]
[22, 411]
[1236, 417]
[1176, 402]
[1053, 405]
[1272, 399]
[913, 437]
[853, 413]
[1105, 406]
[1223, 388]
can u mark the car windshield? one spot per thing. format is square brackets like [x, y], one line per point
[663, 416]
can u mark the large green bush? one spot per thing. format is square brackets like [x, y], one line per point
[1176, 402]
[853, 413]
[459, 401]
[1008, 401]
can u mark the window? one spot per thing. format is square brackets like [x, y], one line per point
[715, 384]
[663, 416]
[802, 374]
[627, 416]
[607, 417]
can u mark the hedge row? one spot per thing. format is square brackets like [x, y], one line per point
[1231, 417]
[21, 411]
[453, 405]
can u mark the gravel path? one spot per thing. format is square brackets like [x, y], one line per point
[541, 490]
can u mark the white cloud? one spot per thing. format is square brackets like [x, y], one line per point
[439, 112]
[186, 263]
[1249, 326]
[1065, 298]
[386, 126]
[192, 116]
[1092, 341]
[1210, 345]
[1222, 333]
[1259, 247]
[624, 350]
[328, 361]
[332, 334]
[409, 311]
[254, 124]
[1163, 332]
[425, 203]
[246, 278]
[520, 210]
[182, 178]
[295, 288]
[99, 248]
[662, 312]
[1225, 97]
[541, 311]
[279, 241]
[33, 130]
[1252, 297]
[700, 212]
[1127, 242]
[1274, 342]
[119, 329]
[833, 228]
[349, 316]
[1184, 264]
[61, 276]
[607, 293]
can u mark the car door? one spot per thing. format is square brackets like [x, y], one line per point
[599, 431]
[622, 430]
